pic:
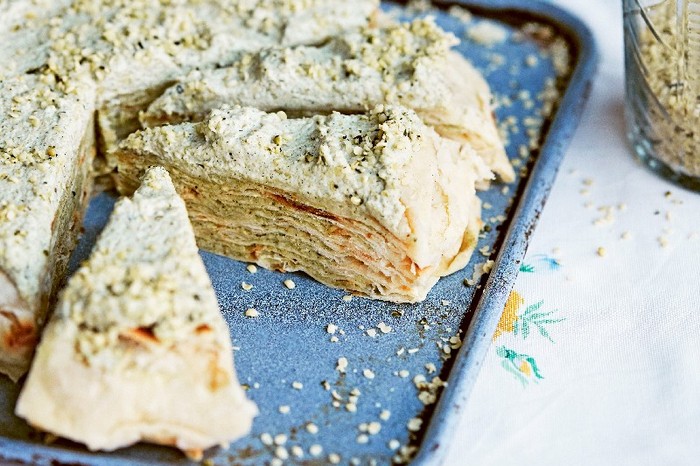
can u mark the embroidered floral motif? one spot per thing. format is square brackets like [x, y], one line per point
[541, 262]
[530, 318]
[520, 325]
[521, 366]
[510, 315]
[527, 268]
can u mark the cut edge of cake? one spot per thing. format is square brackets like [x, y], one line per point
[380, 202]
[45, 158]
[137, 349]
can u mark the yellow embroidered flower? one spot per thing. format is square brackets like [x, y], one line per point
[510, 314]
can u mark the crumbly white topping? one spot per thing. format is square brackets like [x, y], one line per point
[127, 45]
[357, 162]
[399, 63]
[144, 282]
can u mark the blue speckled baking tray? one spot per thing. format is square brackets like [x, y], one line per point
[289, 341]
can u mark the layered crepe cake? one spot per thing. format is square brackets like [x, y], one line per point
[137, 348]
[46, 148]
[410, 64]
[378, 203]
[73, 69]
[366, 183]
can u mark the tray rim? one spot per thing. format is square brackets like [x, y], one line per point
[443, 423]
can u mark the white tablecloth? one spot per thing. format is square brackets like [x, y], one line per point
[597, 360]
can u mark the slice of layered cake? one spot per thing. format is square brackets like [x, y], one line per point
[408, 64]
[378, 204]
[46, 148]
[137, 349]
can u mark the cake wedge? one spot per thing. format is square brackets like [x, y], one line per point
[377, 203]
[409, 64]
[137, 348]
[46, 150]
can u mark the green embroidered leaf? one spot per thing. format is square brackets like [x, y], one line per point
[549, 321]
[505, 353]
[526, 329]
[544, 333]
[532, 308]
[537, 315]
[527, 268]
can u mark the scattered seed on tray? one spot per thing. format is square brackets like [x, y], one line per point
[281, 453]
[266, 439]
[312, 428]
[297, 451]
[373, 428]
[384, 328]
[342, 365]
[414, 424]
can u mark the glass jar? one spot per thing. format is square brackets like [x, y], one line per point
[662, 61]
